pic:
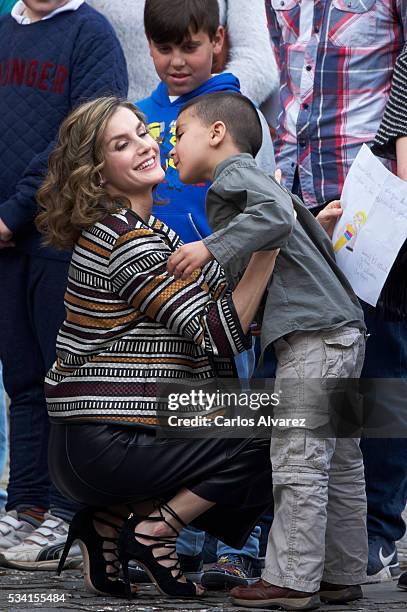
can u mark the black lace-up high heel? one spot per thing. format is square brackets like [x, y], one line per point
[97, 578]
[163, 576]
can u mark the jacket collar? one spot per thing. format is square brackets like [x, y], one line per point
[245, 157]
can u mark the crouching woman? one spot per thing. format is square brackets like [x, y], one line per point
[129, 327]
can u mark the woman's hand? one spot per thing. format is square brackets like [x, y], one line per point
[329, 215]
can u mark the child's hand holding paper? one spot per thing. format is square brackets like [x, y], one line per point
[329, 215]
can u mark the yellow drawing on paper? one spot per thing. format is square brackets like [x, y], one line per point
[349, 232]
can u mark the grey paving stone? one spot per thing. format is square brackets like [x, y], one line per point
[72, 596]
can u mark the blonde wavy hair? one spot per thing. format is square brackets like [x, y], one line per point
[72, 197]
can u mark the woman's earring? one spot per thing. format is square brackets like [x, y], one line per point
[101, 182]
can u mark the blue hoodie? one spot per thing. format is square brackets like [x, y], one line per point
[181, 207]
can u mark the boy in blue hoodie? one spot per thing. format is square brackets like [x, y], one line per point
[183, 39]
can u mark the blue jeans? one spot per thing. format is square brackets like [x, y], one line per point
[250, 549]
[245, 363]
[267, 366]
[3, 438]
[191, 542]
[385, 459]
[31, 312]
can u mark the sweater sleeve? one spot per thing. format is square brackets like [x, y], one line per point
[394, 122]
[21, 208]
[251, 55]
[137, 270]
[98, 69]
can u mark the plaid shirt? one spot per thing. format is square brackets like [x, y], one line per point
[336, 59]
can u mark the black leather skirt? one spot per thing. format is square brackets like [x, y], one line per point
[104, 465]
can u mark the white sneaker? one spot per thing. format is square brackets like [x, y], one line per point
[42, 548]
[13, 530]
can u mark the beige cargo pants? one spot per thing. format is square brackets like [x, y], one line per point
[319, 528]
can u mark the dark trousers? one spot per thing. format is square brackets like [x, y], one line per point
[385, 459]
[31, 312]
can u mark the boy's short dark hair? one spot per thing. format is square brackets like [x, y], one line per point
[238, 114]
[171, 21]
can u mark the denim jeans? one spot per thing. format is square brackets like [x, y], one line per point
[31, 312]
[3, 438]
[250, 549]
[191, 542]
[267, 365]
[385, 459]
[245, 363]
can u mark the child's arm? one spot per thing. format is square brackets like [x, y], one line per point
[194, 255]
[188, 258]
[219, 326]
[267, 219]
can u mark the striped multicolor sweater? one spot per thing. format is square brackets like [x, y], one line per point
[130, 326]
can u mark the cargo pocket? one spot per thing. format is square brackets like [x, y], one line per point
[341, 355]
[352, 23]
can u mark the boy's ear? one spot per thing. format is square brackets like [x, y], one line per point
[217, 133]
[218, 40]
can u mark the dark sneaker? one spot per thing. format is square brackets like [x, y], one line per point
[261, 595]
[229, 571]
[339, 593]
[191, 567]
[402, 583]
[383, 563]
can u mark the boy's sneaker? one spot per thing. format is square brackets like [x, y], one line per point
[339, 593]
[383, 563]
[402, 583]
[229, 571]
[262, 595]
[13, 529]
[42, 548]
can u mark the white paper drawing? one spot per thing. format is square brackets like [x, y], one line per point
[373, 227]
